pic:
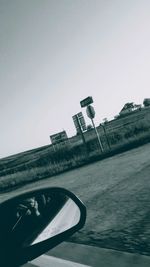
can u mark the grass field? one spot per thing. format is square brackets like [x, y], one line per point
[118, 135]
[116, 194]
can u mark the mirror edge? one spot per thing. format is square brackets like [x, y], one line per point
[32, 252]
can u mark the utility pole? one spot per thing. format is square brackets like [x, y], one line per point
[104, 129]
[98, 137]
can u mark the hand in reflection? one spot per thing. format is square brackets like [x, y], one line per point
[28, 207]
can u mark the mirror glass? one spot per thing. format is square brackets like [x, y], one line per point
[38, 217]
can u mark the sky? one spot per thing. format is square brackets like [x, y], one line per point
[55, 53]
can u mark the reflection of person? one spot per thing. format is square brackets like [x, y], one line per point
[25, 220]
[28, 221]
[28, 207]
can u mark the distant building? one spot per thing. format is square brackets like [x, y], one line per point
[127, 109]
[146, 102]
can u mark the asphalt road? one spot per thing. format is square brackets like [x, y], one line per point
[116, 194]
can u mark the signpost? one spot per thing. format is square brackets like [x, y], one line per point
[79, 121]
[80, 125]
[91, 114]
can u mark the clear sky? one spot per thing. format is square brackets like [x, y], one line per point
[54, 53]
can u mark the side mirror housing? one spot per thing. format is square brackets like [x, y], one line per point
[37, 221]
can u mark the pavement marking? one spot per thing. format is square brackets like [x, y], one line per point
[29, 264]
[46, 260]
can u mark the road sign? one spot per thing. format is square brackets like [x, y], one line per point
[80, 114]
[87, 101]
[79, 120]
[80, 127]
[75, 120]
[82, 123]
[90, 112]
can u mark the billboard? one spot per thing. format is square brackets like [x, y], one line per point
[58, 137]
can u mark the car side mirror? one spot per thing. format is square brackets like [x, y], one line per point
[37, 221]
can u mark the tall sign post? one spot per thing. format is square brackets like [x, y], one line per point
[80, 125]
[91, 114]
[79, 122]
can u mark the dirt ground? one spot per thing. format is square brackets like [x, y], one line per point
[116, 194]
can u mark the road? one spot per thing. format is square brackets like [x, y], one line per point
[49, 261]
[116, 194]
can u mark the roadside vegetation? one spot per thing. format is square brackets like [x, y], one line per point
[50, 162]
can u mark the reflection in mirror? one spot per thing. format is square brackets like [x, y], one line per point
[67, 217]
[38, 218]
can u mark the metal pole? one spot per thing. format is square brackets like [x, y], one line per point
[106, 136]
[99, 141]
